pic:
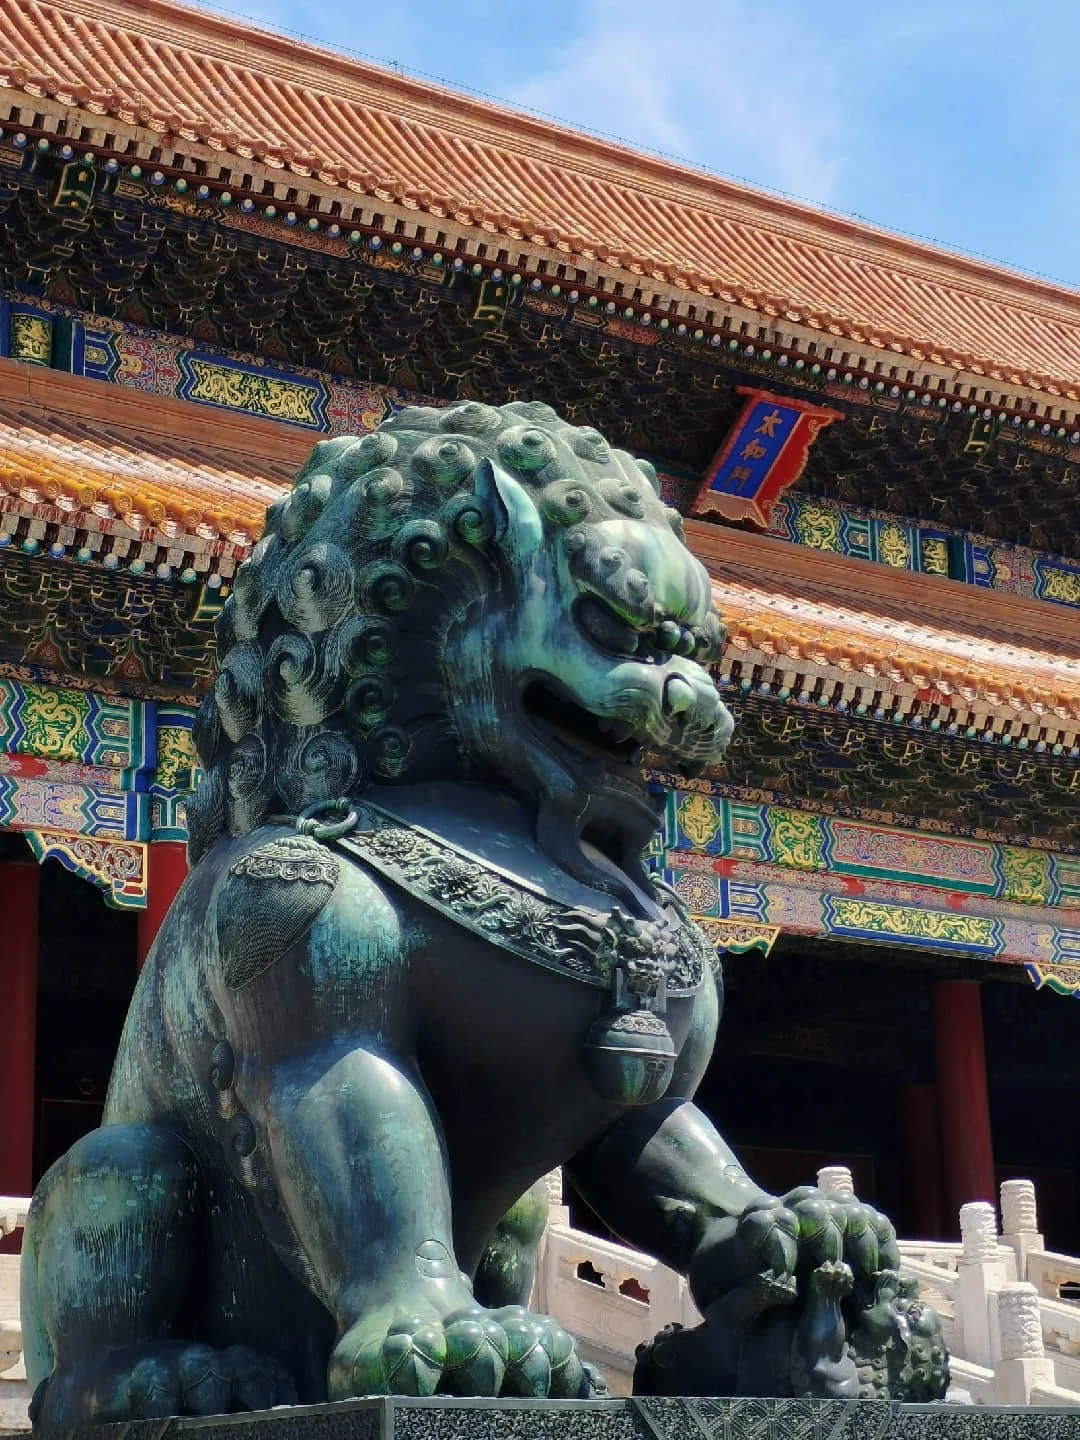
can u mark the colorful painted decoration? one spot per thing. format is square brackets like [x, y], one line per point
[764, 454]
[1059, 979]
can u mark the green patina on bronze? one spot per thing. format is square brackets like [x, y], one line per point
[419, 963]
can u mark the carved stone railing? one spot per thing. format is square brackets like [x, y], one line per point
[611, 1298]
[14, 1395]
[1013, 1340]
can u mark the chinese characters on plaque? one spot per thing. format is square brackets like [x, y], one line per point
[764, 454]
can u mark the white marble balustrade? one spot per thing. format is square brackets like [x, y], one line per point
[14, 1394]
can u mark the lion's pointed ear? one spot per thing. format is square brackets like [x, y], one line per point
[518, 527]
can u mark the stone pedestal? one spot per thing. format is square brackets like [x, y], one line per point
[637, 1419]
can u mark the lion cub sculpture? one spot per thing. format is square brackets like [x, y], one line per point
[418, 963]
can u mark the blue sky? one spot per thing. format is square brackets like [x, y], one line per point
[954, 120]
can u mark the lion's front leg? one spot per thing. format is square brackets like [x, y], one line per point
[360, 1165]
[771, 1276]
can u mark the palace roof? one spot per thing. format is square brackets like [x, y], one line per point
[192, 79]
[149, 471]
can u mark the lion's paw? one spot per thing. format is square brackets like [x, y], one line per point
[165, 1378]
[470, 1351]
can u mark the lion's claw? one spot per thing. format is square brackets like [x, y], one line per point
[808, 1227]
[476, 1355]
[165, 1378]
[414, 1356]
[772, 1233]
[469, 1352]
[528, 1370]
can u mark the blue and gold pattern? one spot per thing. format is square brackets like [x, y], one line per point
[905, 544]
[29, 335]
[880, 913]
[825, 874]
[254, 390]
[120, 869]
[1057, 582]
[79, 725]
[138, 359]
[712, 825]
[176, 773]
[869, 920]
[765, 452]
[90, 779]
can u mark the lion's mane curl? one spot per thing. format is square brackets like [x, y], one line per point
[330, 647]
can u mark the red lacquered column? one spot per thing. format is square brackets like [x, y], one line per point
[963, 1104]
[166, 862]
[18, 1009]
[922, 1143]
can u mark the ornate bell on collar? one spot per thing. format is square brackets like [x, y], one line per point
[628, 1051]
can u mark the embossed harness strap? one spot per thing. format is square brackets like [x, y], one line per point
[517, 916]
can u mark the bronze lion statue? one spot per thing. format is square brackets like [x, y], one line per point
[419, 962]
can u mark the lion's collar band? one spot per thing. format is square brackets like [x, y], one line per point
[651, 957]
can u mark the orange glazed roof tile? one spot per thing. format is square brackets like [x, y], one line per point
[868, 629]
[875, 652]
[189, 75]
[80, 447]
[83, 450]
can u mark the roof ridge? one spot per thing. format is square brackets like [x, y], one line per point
[192, 77]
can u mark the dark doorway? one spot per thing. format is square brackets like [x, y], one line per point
[816, 1044]
[86, 973]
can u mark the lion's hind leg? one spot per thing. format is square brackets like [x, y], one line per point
[106, 1264]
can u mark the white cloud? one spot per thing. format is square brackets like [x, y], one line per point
[747, 89]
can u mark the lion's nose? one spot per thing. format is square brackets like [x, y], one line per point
[679, 695]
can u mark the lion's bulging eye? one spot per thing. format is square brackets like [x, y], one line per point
[604, 627]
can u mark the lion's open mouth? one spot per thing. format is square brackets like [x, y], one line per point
[602, 841]
[577, 727]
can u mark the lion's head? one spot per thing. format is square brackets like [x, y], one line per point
[491, 594]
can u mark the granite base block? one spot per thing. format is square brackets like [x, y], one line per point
[632, 1419]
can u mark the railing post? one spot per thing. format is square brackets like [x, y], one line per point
[836, 1180]
[558, 1214]
[1023, 1362]
[980, 1273]
[1020, 1222]
[13, 1210]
